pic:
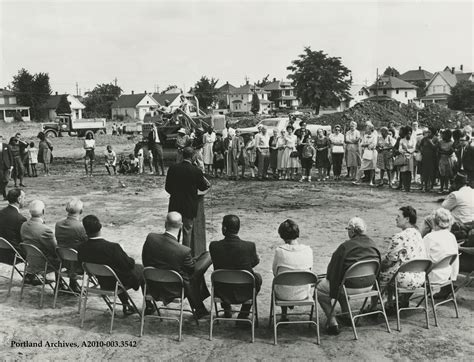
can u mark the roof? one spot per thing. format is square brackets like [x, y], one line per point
[227, 88]
[448, 77]
[278, 85]
[128, 100]
[389, 82]
[161, 98]
[6, 92]
[417, 74]
[249, 89]
[463, 76]
[13, 106]
[53, 101]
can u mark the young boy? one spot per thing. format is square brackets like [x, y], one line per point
[133, 162]
[32, 159]
[308, 156]
[110, 160]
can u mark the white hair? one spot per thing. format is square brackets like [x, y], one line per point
[443, 218]
[36, 208]
[357, 225]
[74, 206]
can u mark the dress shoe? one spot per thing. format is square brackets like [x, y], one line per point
[32, 280]
[149, 310]
[201, 313]
[227, 314]
[333, 330]
[344, 321]
[76, 288]
[128, 310]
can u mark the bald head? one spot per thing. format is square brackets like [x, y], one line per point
[36, 208]
[173, 221]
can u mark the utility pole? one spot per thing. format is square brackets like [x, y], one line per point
[115, 81]
[377, 85]
[77, 89]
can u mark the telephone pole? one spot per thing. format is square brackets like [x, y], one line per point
[115, 81]
[77, 89]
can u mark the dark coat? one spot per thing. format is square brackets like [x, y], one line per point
[6, 161]
[10, 225]
[101, 251]
[236, 254]
[359, 248]
[468, 157]
[182, 183]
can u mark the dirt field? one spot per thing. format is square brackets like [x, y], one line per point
[131, 207]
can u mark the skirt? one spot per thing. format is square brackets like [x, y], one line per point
[352, 155]
[385, 160]
[322, 160]
[279, 159]
[289, 162]
[446, 166]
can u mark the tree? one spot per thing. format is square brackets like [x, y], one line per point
[320, 80]
[63, 106]
[263, 82]
[255, 107]
[420, 90]
[462, 96]
[206, 92]
[391, 72]
[31, 90]
[99, 101]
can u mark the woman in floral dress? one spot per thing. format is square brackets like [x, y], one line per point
[404, 246]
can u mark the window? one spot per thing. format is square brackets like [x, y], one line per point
[406, 94]
[361, 93]
[10, 113]
[397, 91]
[12, 100]
[2, 100]
[384, 91]
[25, 113]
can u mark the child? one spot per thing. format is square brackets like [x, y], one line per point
[308, 156]
[110, 160]
[133, 162]
[33, 159]
[123, 166]
[141, 160]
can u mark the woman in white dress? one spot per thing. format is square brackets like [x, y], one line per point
[208, 140]
[369, 154]
[281, 142]
[290, 159]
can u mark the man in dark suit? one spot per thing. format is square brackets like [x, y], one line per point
[10, 224]
[100, 251]
[182, 183]
[234, 253]
[163, 251]
[6, 167]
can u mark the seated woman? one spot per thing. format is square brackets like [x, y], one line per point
[291, 256]
[404, 246]
[439, 244]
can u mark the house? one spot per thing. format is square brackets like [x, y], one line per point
[439, 87]
[9, 108]
[388, 87]
[241, 99]
[172, 98]
[134, 106]
[282, 94]
[223, 98]
[358, 93]
[51, 104]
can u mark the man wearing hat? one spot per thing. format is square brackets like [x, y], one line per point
[6, 166]
[182, 141]
[182, 183]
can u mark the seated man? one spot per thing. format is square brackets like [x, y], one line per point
[461, 204]
[359, 247]
[36, 233]
[234, 253]
[100, 251]
[10, 224]
[70, 234]
[163, 251]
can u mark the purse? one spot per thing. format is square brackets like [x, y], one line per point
[294, 154]
[400, 160]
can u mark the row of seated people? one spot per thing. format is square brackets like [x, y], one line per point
[164, 251]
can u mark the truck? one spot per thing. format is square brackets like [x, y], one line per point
[281, 123]
[74, 127]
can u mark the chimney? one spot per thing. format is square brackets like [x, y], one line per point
[419, 67]
[247, 82]
[452, 70]
[56, 93]
[274, 79]
[227, 82]
[144, 92]
[461, 68]
[133, 92]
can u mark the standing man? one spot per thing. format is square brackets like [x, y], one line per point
[235, 148]
[182, 183]
[262, 142]
[6, 167]
[154, 144]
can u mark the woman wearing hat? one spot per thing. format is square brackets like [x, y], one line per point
[182, 141]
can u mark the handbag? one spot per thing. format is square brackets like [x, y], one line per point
[294, 154]
[368, 155]
[400, 160]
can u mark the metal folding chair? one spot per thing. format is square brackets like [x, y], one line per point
[7, 247]
[234, 278]
[361, 275]
[443, 263]
[66, 256]
[468, 277]
[170, 278]
[295, 278]
[99, 270]
[411, 266]
[32, 253]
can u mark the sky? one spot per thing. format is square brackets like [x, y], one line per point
[148, 45]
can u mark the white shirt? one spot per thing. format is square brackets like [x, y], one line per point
[228, 132]
[89, 144]
[461, 204]
[262, 140]
[339, 139]
[439, 244]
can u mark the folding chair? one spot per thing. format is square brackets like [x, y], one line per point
[170, 278]
[66, 256]
[34, 253]
[443, 263]
[468, 277]
[294, 279]
[411, 266]
[361, 275]
[99, 270]
[6, 246]
[233, 278]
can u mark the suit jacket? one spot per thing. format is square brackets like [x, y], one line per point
[182, 183]
[35, 232]
[10, 225]
[6, 161]
[234, 253]
[468, 157]
[70, 233]
[101, 251]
